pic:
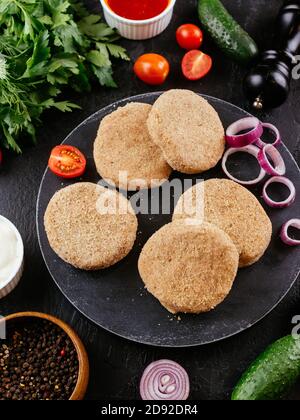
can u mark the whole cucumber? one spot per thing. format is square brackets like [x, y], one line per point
[273, 374]
[226, 32]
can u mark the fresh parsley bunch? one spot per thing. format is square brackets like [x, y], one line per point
[46, 45]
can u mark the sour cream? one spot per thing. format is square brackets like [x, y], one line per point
[11, 251]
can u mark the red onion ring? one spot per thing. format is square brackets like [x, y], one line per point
[277, 140]
[269, 150]
[241, 140]
[280, 204]
[252, 150]
[284, 234]
[165, 380]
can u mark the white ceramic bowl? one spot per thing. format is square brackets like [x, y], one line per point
[139, 29]
[9, 284]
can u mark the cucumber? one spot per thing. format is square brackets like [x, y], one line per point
[273, 374]
[226, 32]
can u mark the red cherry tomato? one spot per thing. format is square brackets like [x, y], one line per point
[152, 69]
[189, 37]
[196, 64]
[67, 162]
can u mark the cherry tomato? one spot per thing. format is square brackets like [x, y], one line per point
[189, 37]
[152, 69]
[196, 64]
[67, 162]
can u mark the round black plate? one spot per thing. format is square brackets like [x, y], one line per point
[115, 298]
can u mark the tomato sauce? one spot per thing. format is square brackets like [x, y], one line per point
[138, 9]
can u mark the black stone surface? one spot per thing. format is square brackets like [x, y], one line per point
[117, 364]
[116, 299]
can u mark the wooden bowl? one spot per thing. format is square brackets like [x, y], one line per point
[83, 368]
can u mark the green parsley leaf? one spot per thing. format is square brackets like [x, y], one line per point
[98, 58]
[44, 46]
[117, 51]
[105, 76]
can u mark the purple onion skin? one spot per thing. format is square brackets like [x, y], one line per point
[275, 204]
[244, 140]
[284, 234]
[280, 180]
[277, 142]
[266, 165]
[252, 150]
[175, 387]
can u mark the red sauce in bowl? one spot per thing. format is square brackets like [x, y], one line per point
[138, 9]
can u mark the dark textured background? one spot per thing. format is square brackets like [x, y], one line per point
[116, 364]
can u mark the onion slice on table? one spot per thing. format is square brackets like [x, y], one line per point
[279, 167]
[285, 234]
[165, 380]
[252, 150]
[279, 204]
[260, 143]
[254, 132]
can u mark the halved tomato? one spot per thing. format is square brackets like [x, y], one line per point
[67, 161]
[196, 64]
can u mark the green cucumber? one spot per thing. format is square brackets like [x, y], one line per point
[273, 374]
[226, 32]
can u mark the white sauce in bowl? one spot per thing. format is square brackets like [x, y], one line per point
[11, 251]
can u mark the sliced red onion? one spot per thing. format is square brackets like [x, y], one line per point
[280, 204]
[252, 150]
[255, 131]
[277, 140]
[164, 380]
[285, 232]
[279, 168]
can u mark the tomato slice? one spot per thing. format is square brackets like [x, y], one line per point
[67, 162]
[196, 64]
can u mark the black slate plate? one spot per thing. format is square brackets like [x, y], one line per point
[115, 298]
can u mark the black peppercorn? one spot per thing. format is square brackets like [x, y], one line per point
[37, 361]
